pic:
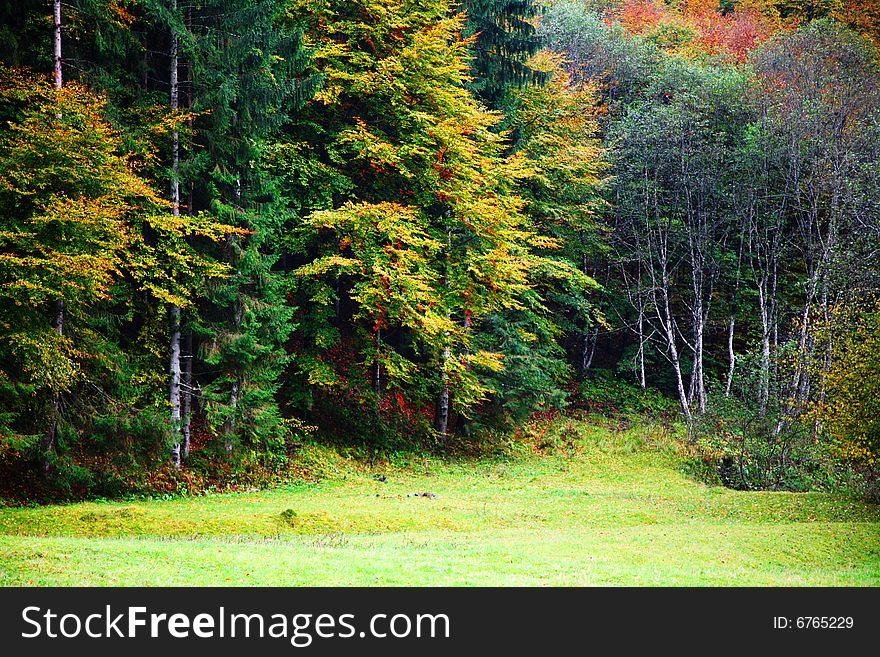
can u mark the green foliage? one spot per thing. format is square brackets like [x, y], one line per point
[504, 38]
[362, 245]
[556, 134]
[246, 80]
[87, 230]
[621, 64]
[746, 450]
[427, 238]
[603, 394]
[741, 446]
[74, 207]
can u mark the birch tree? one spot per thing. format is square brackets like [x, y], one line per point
[820, 85]
[675, 163]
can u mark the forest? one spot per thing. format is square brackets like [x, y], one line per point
[232, 228]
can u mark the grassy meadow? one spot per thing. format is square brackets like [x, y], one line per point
[595, 505]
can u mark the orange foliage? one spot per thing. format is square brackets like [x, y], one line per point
[640, 16]
[736, 34]
[119, 13]
[863, 16]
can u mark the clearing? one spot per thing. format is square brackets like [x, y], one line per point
[596, 506]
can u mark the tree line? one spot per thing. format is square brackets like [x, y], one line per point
[232, 223]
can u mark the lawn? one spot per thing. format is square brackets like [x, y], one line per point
[596, 506]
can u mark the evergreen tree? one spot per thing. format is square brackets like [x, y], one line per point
[247, 81]
[504, 37]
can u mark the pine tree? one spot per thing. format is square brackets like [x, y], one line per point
[247, 79]
[504, 37]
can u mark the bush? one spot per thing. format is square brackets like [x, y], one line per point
[602, 393]
[738, 446]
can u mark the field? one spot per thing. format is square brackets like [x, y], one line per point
[595, 506]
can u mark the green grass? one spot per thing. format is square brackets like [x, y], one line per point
[604, 507]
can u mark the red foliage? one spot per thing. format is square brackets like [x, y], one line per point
[736, 34]
[394, 405]
[200, 435]
[341, 356]
[640, 16]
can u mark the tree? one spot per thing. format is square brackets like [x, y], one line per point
[248, 80]
[504, 37]
[422, 235]
[849, 410]
[557, 135]
[67, 192]
[674, 204]
[78, 212]
[821, 106]
[621, 64]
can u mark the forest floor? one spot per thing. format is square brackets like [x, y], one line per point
[592, 505]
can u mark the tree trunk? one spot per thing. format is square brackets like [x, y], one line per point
[174, 386]
[766, 333]
[377, 382]
[187, 394]
[731, 355]
[588, 348]
[50, 438]
[237, 320]
[731, 326]
[642, 340]
[443, 403]
[441, 421]
[698, 386]
[174, 366]
[669, 329]
[56, 7]
[189, 353]
[229, 425]
[175, 136]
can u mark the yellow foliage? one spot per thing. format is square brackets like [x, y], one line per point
[849, 408]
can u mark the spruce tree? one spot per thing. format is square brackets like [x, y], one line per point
[504, 37]
[247, 80]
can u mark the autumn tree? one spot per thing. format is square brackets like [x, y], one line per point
[848, 412]
[78, 211]
[422, 236]
[557, 135]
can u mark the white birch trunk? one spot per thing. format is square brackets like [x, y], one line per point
[174, 386]
[731, 355]
[56, 7]
[642, 340]
[49, 439]
[186, 409]
[229, 425]
[443, 403]
[669, 329]
[174, 365]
